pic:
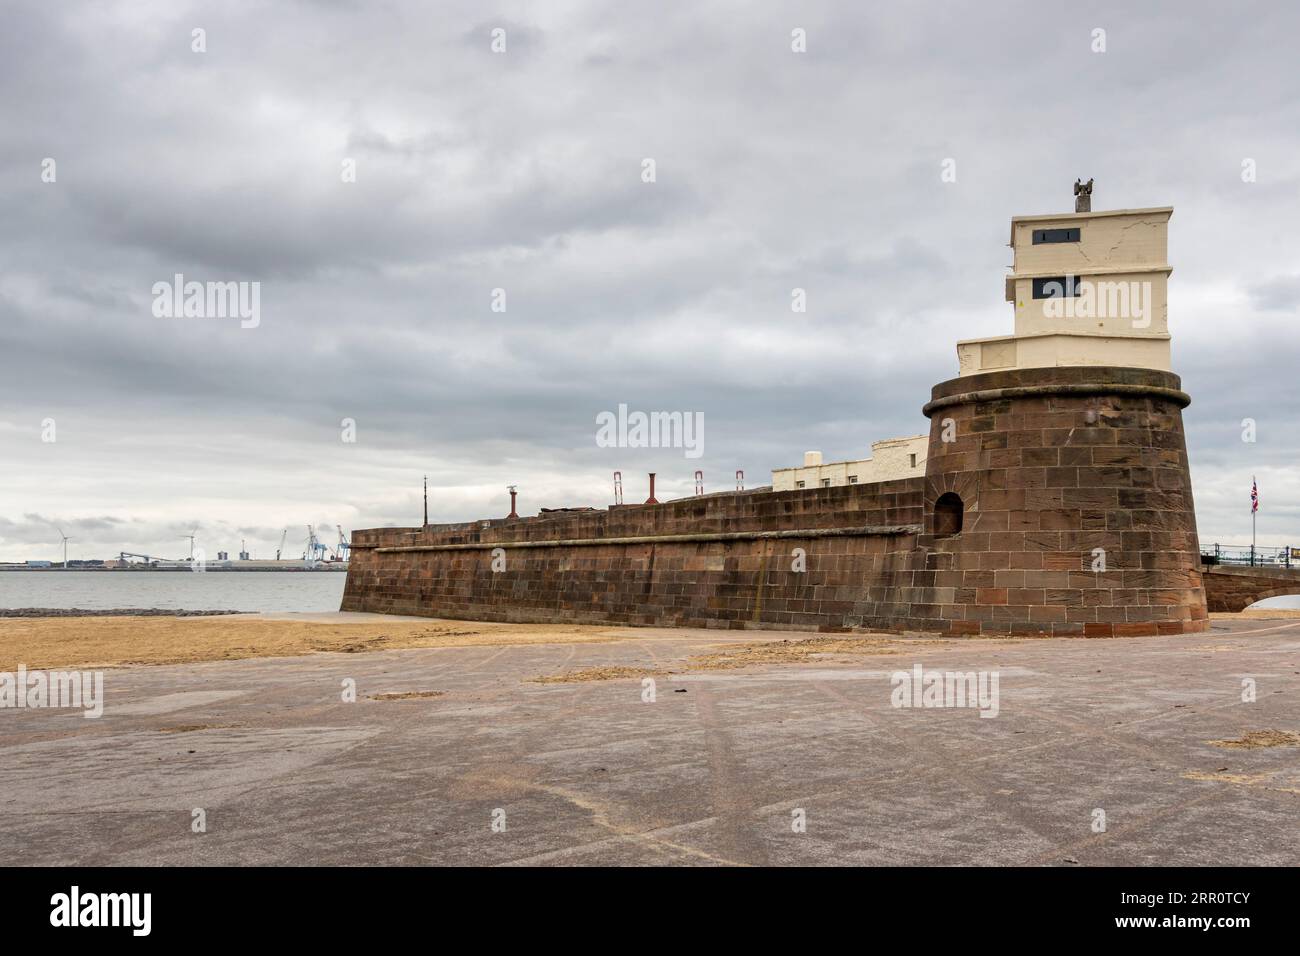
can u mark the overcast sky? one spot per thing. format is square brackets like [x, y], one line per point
[522, 170]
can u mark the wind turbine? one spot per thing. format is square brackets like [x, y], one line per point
[66, 539]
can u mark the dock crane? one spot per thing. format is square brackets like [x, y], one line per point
[315, 548]
[282, 540]
[342, 552]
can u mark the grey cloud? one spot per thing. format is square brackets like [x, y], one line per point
[1280, 294]
[522, 171]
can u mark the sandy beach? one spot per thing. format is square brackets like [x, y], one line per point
[112, 641]
[116, 641]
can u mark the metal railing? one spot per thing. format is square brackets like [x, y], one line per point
[1250, 555]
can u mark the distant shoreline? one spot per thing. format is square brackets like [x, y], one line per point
[12, 612]
[207, 570]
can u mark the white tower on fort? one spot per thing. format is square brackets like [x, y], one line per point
[1089, 288]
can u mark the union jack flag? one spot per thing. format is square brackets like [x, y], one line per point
[1254, 496]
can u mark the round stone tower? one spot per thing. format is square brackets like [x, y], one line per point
[1058, 501]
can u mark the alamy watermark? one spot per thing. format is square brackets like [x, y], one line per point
[53, 689]
[1076, 298]
[922, 688]
[179, 299]
[75, 908]
[626, 429]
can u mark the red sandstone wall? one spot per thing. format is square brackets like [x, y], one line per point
[1234, 588]
[1049, 463]
[852, 578]
[1050, 468]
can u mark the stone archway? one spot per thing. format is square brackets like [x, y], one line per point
[1231, 588]
[949, 514]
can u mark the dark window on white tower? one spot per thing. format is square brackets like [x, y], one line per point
[1055, 235]
[1057, 287]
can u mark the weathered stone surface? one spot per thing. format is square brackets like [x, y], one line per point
[1049, 464]
[625, 566]
[1087, 438]
[1234, 588]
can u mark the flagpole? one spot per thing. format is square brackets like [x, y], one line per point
[1254, 507]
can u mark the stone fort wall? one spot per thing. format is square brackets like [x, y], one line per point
[723, 560]
[1048, 468]
[1077, 500]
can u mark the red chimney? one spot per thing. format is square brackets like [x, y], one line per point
[651, 500]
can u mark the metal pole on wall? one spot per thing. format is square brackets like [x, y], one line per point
[1254, 507]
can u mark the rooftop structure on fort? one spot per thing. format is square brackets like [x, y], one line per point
[1089, 288]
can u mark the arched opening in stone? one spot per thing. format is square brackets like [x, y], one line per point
[1277, 599]
[948, 514]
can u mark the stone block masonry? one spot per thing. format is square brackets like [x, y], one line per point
[1230, 588]
[1076, 499]
[726, 560]
[1032, 476]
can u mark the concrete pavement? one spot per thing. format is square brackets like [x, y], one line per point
[714, 771]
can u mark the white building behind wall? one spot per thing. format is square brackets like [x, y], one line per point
[890, 458]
